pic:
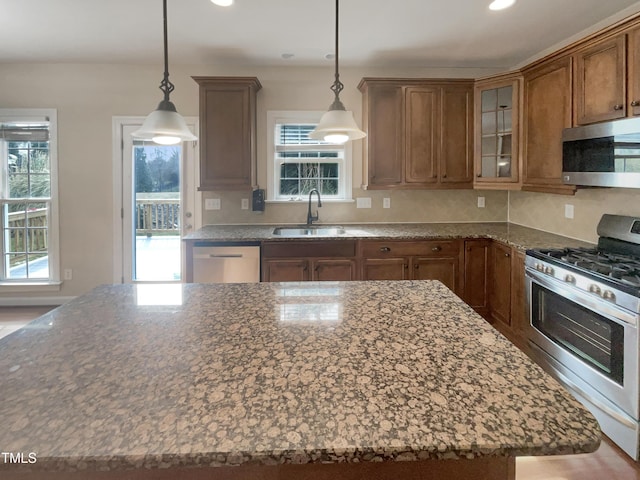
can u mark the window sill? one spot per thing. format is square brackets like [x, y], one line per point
[44, 286]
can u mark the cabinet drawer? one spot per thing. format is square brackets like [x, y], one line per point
[395, 248]
[313, 249]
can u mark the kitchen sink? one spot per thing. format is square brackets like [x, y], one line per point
[309, 231]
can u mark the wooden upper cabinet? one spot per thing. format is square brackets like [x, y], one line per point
[547, 111]
[227, 132]
[382, 119]
[419, 133]
[600, 81]
[497, 132]
[633, 71]
[456, 139]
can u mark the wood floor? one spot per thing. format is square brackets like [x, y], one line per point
[14, 318]
[608, 463]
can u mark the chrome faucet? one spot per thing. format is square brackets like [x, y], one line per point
[310, 217]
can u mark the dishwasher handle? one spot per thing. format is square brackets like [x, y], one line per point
[219, 255]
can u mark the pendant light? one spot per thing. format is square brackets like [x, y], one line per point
[165, 125]
[337, 125]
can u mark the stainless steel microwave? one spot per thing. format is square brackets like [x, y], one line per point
[603, 154]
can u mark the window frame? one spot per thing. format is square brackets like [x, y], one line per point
[279, 117]
[53, 233]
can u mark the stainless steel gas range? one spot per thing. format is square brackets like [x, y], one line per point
[584, 307]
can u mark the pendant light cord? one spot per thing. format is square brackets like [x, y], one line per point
[337, 86]
[166, 86]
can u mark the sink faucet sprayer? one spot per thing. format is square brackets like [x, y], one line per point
[310, 217]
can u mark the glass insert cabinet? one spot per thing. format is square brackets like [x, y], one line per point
[497, 131]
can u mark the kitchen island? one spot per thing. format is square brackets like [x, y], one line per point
[312, 380]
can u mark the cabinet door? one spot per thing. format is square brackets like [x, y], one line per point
[444, 269]
[497, 131]
[285, 270]
[476, 275]
[227, 132]
[334, 269]
[633, 72]
[385, 269]
[384, 135]
[421, 134]
[599, 84]
[456, 135]
[519, 314]
[500, 274]
[547, 111]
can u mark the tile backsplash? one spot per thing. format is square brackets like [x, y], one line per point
[406, 206]
[547, 211]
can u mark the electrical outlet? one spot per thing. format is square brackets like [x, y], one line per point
[212, 204]
[568, 210]
[480, 202]
[244, 204]
[67, 274]
[363, 202]
[386, 203]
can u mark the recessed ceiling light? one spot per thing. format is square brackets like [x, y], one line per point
[287, 56]
[223, 3]
[330, 56]
[501, 4]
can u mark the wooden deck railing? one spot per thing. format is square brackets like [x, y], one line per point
[157, 216]
[28, 230]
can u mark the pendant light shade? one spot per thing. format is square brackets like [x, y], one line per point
[338, 124]
[165, 125]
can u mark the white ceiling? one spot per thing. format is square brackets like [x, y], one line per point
[381, 33]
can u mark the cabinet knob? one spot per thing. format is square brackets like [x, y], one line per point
[618, 107]
[635, 103]
[436, 249]
[385, 249]
[507, 254]
[478, 175]
[444, 175]
[416, 266]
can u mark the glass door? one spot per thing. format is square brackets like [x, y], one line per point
[157, 208]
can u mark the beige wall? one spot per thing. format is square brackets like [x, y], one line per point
[88, 96]
[546, 211]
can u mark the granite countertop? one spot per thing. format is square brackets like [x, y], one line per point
[511, 234]
[151, 376]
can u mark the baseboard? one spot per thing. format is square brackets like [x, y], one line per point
[33, 301]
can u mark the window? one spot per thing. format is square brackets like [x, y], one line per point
[300, 164]
[28, 196]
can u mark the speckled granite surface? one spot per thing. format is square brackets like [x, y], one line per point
[515, 235]
[271, 373]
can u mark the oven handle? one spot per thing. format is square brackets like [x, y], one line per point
[572, 386]
[602, 307]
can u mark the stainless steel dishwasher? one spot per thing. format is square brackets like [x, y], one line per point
[226, 264]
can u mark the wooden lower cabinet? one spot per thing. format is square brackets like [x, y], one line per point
[285, 270]
[413, 260]
[494, 285]
[500, 287]
[309, 260]
[334, 269]
[445, 269]
[385, 268]
[519, 305]
[476, 275]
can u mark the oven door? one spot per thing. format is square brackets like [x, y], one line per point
[592, 338]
